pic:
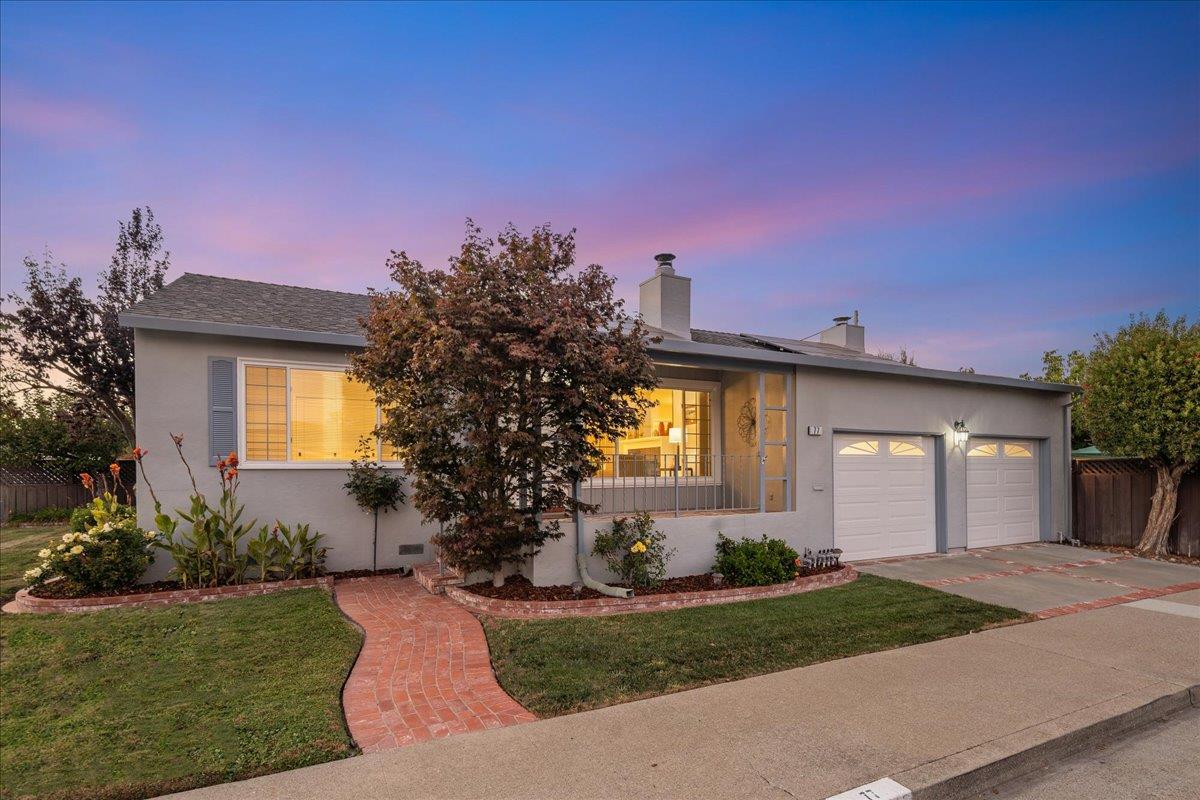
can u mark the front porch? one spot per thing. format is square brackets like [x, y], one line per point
[716, 441]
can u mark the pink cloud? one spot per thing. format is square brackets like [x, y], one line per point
[71, 123]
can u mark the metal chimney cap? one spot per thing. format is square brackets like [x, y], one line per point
[840, 320]
[664, 258]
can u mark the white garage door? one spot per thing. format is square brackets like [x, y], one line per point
[883, 492]
[1002, 492]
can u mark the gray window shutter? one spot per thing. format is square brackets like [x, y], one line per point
[222, 408]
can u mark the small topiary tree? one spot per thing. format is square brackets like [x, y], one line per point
[374, 488]
[1142, 399]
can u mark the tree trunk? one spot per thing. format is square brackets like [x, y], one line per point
[1162, 509]
[498, 576]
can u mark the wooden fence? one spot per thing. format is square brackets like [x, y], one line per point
[1112, 503]
[23, 498]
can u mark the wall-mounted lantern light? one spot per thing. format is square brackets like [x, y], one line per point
[961, 434]
[675, 435]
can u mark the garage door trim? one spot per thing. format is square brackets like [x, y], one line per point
[940, 508]
[1045, 520]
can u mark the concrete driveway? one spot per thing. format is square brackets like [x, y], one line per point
[1045, 579]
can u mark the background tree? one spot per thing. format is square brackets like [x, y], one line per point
[52, 432]
[903, 357]
[1072, 369]
[497, 376]
[1142, 399]
[61, 341]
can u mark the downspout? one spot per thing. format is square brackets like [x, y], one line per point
[1069, 489]
[581, 556]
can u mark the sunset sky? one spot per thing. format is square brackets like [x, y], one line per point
[982, 182]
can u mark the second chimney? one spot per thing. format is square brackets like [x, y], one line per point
[665, 300]
[846, 332]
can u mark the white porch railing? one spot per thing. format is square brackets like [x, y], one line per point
[676, 483]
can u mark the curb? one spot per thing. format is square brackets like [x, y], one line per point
[973, 771]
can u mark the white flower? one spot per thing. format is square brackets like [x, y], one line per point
[44, 553]
[148, 534]
[77, 549]
[68, 537]
[61, 547]
[83, 537]
[33, 574]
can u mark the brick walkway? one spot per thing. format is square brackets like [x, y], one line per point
[424, 671]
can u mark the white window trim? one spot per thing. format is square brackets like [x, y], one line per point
[245, 463]
[688, 384]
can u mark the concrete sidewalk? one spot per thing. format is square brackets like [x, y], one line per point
[804, 733]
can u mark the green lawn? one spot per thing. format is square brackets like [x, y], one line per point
[132, 703]
[561, 666]
[18, 552]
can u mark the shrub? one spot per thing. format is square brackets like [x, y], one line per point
[755, 562]
[42, 516]
[82, 519]
[634, 550]
[112, 554]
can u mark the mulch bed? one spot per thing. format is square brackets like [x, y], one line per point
[1129, 551]
[63, 590]
[518, 587]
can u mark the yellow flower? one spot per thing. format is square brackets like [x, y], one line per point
[77, 549]
[638, 547]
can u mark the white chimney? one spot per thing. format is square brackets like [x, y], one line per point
[665, 300]
[846, 332]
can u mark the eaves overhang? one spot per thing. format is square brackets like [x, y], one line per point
[716, 352]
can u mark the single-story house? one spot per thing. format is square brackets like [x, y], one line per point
[816, 442]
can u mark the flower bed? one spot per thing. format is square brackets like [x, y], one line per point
[159, 595]
[603, 606]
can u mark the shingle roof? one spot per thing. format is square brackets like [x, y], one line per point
[207, 298]
[208, 304]
[780, 344]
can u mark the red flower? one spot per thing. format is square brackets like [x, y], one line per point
[177, 438]
[139, 453]
[86, 480]
[115, 469]
[232, 459]
[232, 474]
[221, 466]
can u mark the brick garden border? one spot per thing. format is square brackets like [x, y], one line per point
[605, 606]
[24, 602]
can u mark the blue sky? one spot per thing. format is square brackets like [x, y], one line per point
[982, 182]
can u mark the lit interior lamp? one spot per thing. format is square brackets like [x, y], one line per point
[675, 437]
[960, 433]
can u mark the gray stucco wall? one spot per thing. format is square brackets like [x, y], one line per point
[844, 401]
[172, 397]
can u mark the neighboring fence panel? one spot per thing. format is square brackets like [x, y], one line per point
[24, 498]
[1112, 503]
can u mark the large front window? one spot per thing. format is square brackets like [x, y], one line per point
[676, 432]
[308, 414]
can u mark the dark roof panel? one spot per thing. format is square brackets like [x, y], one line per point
[207, 298]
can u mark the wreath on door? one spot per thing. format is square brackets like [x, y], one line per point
[747, 422]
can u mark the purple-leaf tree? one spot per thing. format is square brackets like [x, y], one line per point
[497, 377]
[58, 340]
